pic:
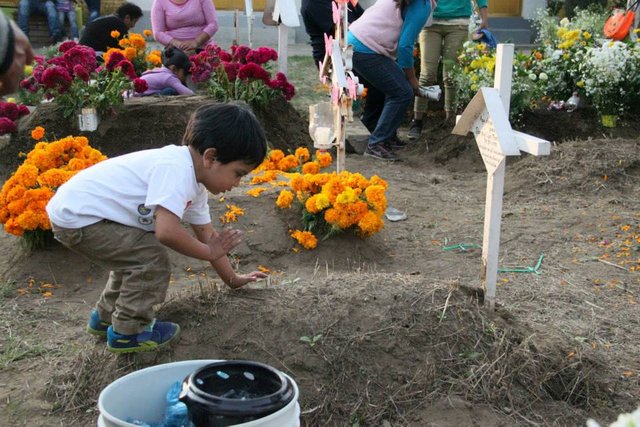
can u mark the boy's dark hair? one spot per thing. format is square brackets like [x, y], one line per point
[174, 56]
[130, 9]
[232, 129]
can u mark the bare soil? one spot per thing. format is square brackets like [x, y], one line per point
[404, 339]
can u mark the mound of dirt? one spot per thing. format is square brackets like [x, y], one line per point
[149, 122]
[383, 345]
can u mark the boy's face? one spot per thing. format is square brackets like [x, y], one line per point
[218, 177]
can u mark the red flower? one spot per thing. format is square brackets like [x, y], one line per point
[81, 55]
[240, 53]
[114, 59]
[288, 91]
[127, 68]
[7, 126]
[231, 68]
[66, 46]
[262, 55]
[253, 71]
[56, 76]
[9, 110]
[80, 72]
[22, 110]
[225, 56]
[140, 85]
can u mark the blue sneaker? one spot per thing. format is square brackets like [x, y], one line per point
[156, 335]
[96, 326]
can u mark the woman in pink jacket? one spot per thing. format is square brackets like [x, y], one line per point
[185, 24]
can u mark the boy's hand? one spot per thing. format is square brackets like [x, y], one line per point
[242, 279]
[220, 244]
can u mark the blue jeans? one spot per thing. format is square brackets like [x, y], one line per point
[26, 8]
[389, 94]
[73, 24]
[94, 9]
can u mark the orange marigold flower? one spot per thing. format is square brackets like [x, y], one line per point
[255, 192]
[305, 238]
[302, 153]
[311, 167]
[115, 34]
[276, 155]
[130, 53]
[285, 198]
[37, 133]
[324, 158]
[147, 33]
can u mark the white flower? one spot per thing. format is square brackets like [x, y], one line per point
[543, 76]
[532, 76]
[564, 22]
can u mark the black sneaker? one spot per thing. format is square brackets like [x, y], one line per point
[415, 130]
[378, 151]
[395, 143]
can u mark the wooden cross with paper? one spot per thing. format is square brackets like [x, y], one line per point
[487, 116]
[345, 87]
[284, 15]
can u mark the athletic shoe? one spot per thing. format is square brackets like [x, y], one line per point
[395, 143]
[415, 130]
[156, 335]
[96, 326]
[378, 151]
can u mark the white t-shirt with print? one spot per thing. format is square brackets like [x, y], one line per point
[126, 189]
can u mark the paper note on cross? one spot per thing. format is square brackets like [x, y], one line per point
[487, 116]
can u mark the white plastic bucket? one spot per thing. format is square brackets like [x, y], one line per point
[141, 395]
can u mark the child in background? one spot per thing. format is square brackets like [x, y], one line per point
[124, 212]
[170, 79]
[67, 9]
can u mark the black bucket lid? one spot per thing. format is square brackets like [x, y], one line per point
[237, 388]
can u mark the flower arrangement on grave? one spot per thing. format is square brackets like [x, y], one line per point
[133, 46]
[564, 47]
[10, 112]
[300, 161]
[476, 68]
[25, 194]
[241, 74]
[335, 202]
[73, 79]
[612, 86]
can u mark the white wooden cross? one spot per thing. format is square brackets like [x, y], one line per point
[487, 116]
[284, 14]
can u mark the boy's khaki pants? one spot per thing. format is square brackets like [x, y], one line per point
[140, 270]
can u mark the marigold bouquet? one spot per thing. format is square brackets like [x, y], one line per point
[26, 193]
[133, 46]
[332, 203]
[242, 74]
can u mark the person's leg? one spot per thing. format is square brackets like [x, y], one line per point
[24, 11]
[454, 38]
[168, 91]
[430, 50]
[73, 24]
[94, 9]
[142, 267]
[48, 9]
[61, 16]
[387, 77]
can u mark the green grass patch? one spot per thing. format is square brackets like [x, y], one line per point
[303, 74]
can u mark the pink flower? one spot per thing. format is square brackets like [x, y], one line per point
[225, 56]
[80, 72]
[262, 55]
[231, 68]
[7, 126]
[29, 84]
[288, 91]
[56, 76]
[253, 71]
[140, 85]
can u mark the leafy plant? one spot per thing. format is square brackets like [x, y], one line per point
[311, 340]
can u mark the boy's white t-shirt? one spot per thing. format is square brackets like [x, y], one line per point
[126, 189]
